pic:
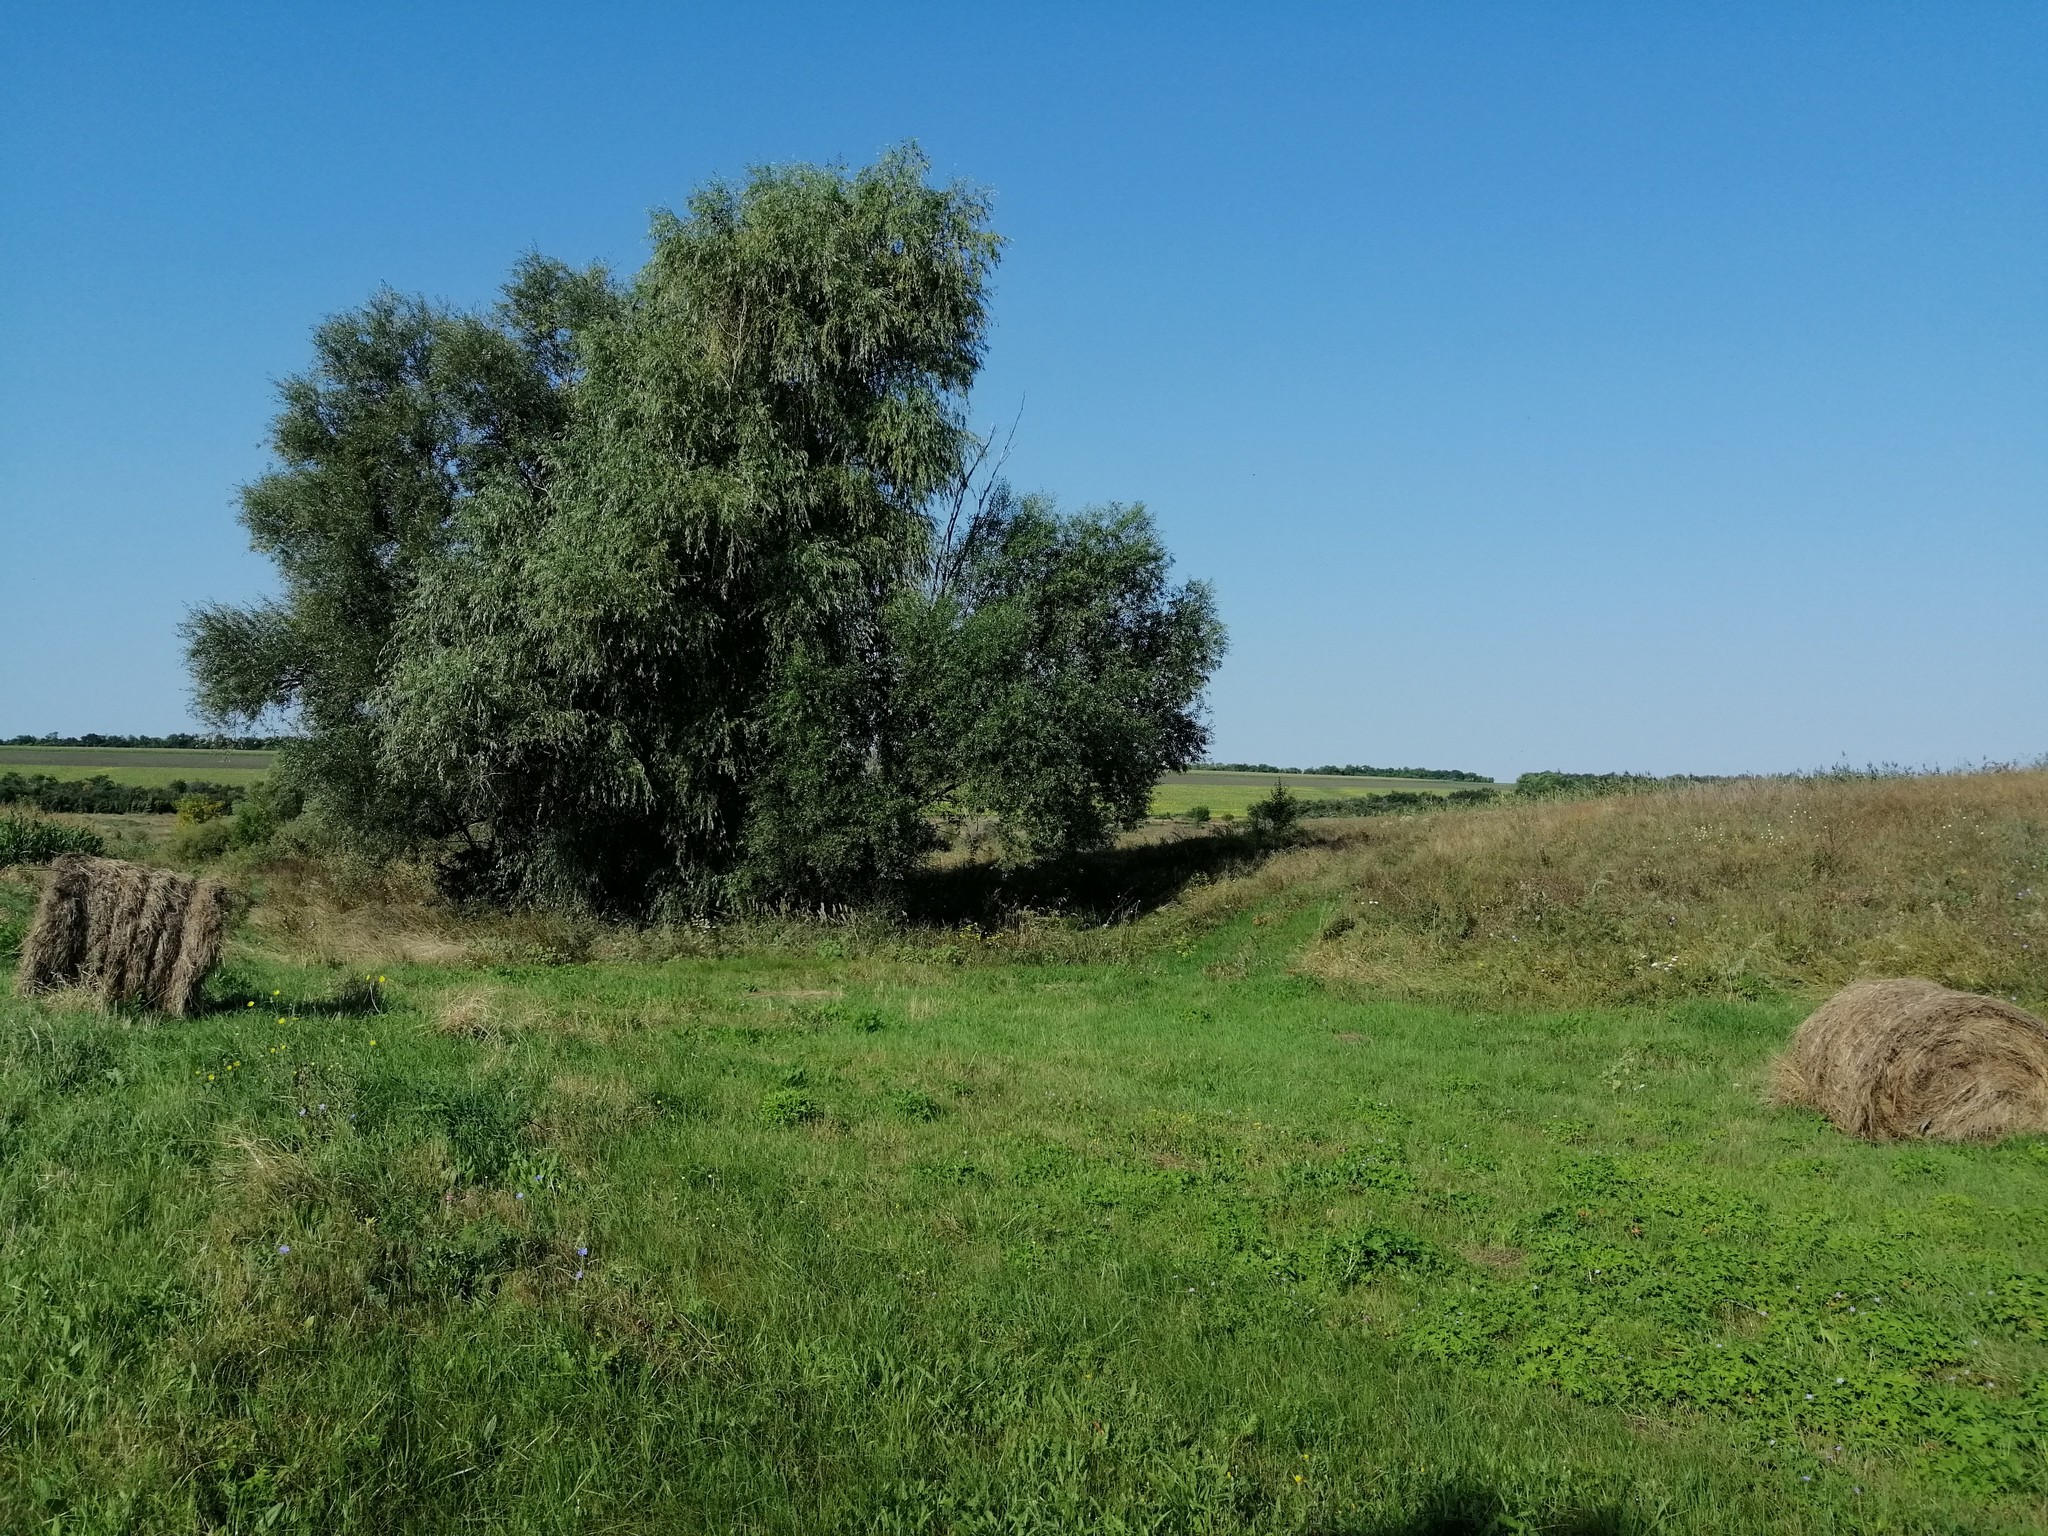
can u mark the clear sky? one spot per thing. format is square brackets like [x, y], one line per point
[1641, 386]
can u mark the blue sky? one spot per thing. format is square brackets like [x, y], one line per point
[1633, 386]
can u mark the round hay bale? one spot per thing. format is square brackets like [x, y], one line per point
[1891, 1060]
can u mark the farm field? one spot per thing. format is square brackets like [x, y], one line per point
[137, 765]
[1181, 1226]
[1179, 793]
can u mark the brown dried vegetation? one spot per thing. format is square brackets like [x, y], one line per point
[124, 933]
[1887, 1060]
[1749, 888]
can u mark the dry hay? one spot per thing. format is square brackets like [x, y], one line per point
[1888, 1060]
[475, 1013]
[125, 933]
[487, 1014]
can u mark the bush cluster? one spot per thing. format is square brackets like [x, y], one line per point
[1551, 785]
[101, 796]
[206, 831]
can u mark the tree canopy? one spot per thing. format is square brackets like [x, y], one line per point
[655, 596]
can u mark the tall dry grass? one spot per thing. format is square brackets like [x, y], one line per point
[1746, 888]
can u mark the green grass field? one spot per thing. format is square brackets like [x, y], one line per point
[839, 1233]
[137, 765]
[1179, 793]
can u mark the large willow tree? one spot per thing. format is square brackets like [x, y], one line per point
[655, 597]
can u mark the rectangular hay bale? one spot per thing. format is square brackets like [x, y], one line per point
[126, 933]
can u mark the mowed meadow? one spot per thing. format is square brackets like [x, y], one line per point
[1414, 1178]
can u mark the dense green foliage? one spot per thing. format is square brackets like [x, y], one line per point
[639, 597]
[1048, 671]
[32, 840]
[409, 414]
[101, 796]
[941, 1241]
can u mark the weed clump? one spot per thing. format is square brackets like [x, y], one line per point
[914, 1104]
[789, 1106]
[33, 840]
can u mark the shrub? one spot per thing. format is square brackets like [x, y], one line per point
[1397, 800]
[266, 808]
[914, 1104]
[32, 840]
[1277, 813]
[205, 838]
[1198, 814]
[1549, 785]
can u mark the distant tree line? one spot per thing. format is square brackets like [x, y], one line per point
[182, 740]
[1353, 770]
[101, 796]
[1548, 784]
[695, 591]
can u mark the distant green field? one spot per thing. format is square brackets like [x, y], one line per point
[1179, 793]
[137, 765]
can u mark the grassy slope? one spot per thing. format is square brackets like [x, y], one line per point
[943, 1239]
[1733, 889]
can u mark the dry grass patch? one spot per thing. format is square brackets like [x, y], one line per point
[1750, 888]
[484, 1013]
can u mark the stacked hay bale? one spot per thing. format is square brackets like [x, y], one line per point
[126, 933]
[1887, 1060]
